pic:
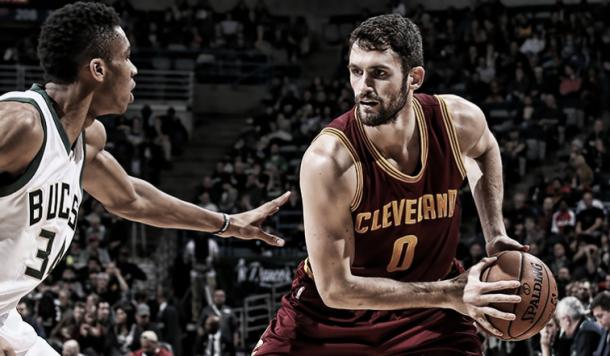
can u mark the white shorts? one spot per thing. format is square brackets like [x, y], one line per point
[22, 337]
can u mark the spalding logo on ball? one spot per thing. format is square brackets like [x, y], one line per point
[538, 293]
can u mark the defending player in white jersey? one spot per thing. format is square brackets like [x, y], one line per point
[51, 147]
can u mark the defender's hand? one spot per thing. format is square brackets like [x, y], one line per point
[476, 296]
[5, 348]
[247, 225]
[504, 243]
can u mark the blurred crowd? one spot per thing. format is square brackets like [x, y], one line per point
[192, 28]
[540, 75]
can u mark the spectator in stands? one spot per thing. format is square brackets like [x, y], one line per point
[124, 327]
[142, 324]
[94, 256]
[211, 341]
[71, 348]
[563, 279]
[63, 302]
[582, 180]
[563, 217]
[590, 221]
[24, 309]
[228, 30]
[560, 260]
[71, 283]
[548, 336]
[129, 271]
[168, 320]
[173, 128]
[105, 321]
[92, 335]
[600, 308]
[68, 326]
[475, 254]
[150, 346]
[228, 323]
[579, 336]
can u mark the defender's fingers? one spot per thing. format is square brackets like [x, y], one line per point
[272, 207]
[270, 239]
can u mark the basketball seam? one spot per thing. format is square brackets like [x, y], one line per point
[546, 302]
[521, 268]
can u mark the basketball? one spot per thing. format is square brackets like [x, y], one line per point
[538, 293]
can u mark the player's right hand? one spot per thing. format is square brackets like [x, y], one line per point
[5, 348]
[477, 295]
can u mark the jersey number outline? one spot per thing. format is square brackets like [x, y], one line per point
[44, 255]
[403, 246]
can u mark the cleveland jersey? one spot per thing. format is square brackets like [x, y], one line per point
[39, 211]
[405, 226]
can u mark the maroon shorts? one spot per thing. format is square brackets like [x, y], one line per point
[304, 326]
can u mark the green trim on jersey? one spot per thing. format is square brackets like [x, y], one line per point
[33, 166]
[82, 168]
[60, 128]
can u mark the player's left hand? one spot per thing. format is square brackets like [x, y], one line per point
[248, 225]
[504, 243]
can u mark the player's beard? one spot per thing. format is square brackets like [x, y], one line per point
[386, 113]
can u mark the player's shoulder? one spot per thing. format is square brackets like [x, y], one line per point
[19, 118]
[467, 118]
[21, 133]
[462, 111]
[95, 135]
[328, 152]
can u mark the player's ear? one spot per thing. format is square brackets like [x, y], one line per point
[97, 69]
[417, 75]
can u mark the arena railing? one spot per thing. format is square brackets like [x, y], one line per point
[159, 86]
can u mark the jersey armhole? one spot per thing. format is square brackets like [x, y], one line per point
[453, 138]
[82, 168]
[31, 169]
[340, 136]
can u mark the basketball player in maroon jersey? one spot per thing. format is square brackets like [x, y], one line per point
[381, 215]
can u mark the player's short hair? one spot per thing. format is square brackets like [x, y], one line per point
[73, 34]
[391, 31]
[570, 306]
[601, 300]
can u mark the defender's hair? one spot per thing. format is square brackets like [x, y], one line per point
[73, 34]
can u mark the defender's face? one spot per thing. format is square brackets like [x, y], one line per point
[380, 89]
[115, 93]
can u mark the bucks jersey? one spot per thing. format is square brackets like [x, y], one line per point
[38, 211]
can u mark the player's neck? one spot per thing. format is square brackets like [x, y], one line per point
[73, 105]
[392, 139]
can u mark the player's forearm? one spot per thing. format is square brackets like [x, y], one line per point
[489, 192]
[372, 293]
[153, 207]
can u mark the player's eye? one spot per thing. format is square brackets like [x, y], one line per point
[356, 71]
[380, 73]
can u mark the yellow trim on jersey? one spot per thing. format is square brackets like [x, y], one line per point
[384, 164]
[307, 268]
[453, 139]
[357, 164]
